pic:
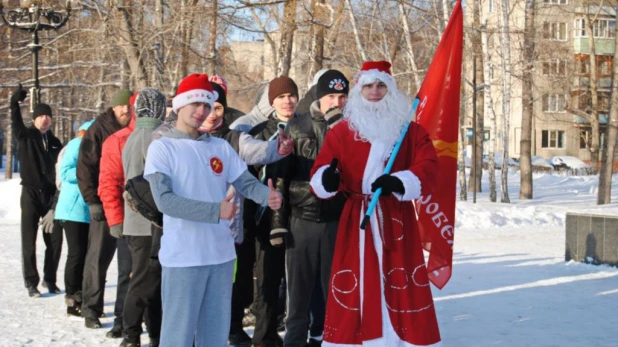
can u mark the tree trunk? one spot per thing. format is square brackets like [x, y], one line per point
[411, 58]
[506, 97]
[159, 50]
[594, 97]
[480, 111]
[605, 175]
[359, 44]
[126, 34]
[212, 40]
[461, 161]
[525, 157]
[489, 110]
[287, 37]
[333, 33]
[316, 53]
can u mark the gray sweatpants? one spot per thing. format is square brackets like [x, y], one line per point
[196, 305]
[309, 254]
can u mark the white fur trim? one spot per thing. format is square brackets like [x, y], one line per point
[316, 184]
[370, 76]
[195, 95]
[411, 183]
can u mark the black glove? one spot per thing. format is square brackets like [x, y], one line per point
[333, 116]
[19, 95]
[96, 212]
[331, 177]
[389, 184]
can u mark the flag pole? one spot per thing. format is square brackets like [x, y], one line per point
[376, 195]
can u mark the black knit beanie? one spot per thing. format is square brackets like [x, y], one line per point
[222, 99]
[281, 85]
[41, 110]
[332, 82]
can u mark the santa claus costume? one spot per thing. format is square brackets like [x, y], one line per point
[379, 291]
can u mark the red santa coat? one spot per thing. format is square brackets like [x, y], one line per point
[379, 292]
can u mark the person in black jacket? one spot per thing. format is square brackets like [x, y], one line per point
[269, 253]
[310, 241]
[101, 245]
[38, 152]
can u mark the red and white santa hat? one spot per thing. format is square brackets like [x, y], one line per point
[194, 88]
[375, 70]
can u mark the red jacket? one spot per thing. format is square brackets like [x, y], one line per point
[111, 176]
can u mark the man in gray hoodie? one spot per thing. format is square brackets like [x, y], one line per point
[145, 286]
[257, 115]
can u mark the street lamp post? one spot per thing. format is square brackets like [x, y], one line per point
[33, 16]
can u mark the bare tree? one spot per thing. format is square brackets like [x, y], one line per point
[359, 44]
[489, 110]
[525, 158]
[605, 175]
[287, 37]
[316, 51]
[505, 44]
[476, 172]
[212, 40]
[410, 49]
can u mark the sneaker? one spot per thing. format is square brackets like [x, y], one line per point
[52, 287]
[33, 292]
[74, 310]
[239, 339]
[93, 323]
[115, 333]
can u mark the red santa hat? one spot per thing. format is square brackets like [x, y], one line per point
[220, 81]
[194, 88]
[375, 70]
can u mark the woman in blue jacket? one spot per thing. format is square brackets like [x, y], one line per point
[72, 212]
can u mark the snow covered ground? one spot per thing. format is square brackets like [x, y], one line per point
[510, 284]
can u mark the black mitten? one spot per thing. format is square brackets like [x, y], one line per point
[19, 95]
[331, 177]
[389, 184]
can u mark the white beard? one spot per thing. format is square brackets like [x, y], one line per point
[377, 121]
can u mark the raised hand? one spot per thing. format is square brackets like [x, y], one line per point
[19, 94]
[227, 210]
[285, 145]
[274, 198]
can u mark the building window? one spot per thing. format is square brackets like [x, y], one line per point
[585, 139]
[604, 28]
[554, 67]
[556, 2]
[552, 139]
[554, 102]
[580, 28]
[554, 31]
[490, 6]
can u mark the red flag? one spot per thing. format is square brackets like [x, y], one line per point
[438, 113]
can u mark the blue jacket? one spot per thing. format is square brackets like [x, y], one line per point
[71, 205]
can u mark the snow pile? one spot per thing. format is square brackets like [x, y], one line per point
[10, 191]
[540, 161]
[487, 216]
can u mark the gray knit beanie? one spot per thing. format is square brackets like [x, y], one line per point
[150, 103]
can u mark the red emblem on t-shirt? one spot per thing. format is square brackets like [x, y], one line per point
[216, 165]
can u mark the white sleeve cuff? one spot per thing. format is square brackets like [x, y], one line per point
[411, 183]
[316, 184]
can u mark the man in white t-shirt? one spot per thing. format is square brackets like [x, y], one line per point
[189, 173]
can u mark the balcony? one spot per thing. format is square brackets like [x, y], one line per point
[603, 46]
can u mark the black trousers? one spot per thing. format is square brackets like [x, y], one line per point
[269, 271]
[242, 291]
[34, 205]
[101, 249]
[76, 234]
[144, 295]
[310, 249]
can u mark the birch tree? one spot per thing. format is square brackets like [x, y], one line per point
[505, 45]
[476, 171]
[489, 111]
[359, 44]
[410, 50]
[287, 37]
